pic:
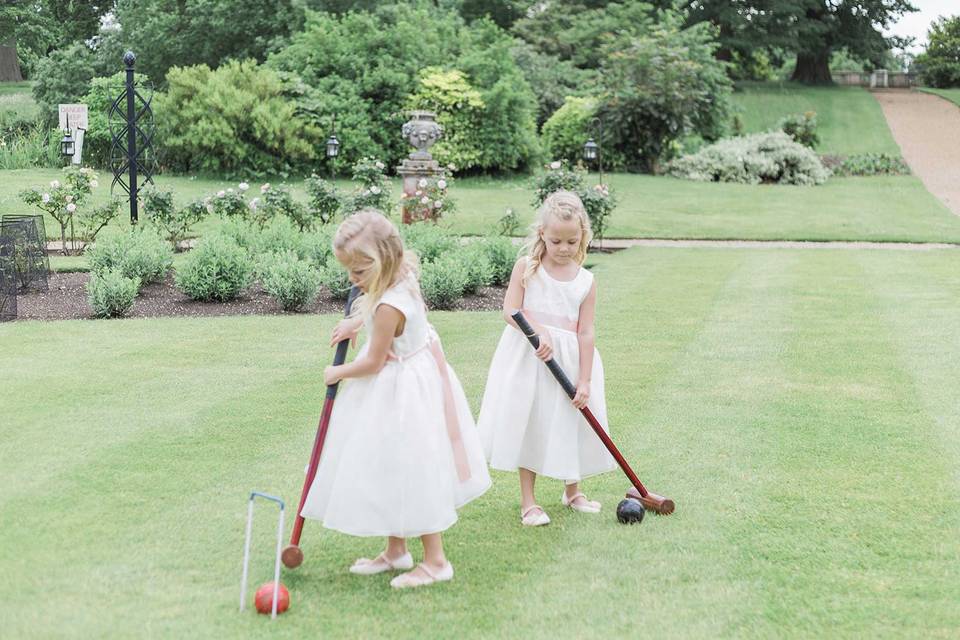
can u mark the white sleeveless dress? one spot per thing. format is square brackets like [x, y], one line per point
[392, 464]
[526, 420]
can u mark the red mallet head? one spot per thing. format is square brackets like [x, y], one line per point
[264, 598]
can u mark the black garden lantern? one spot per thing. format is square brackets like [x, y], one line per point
[67, 144]
[591, 150]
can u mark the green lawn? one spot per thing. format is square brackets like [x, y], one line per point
[16, 102]
[800, 407]
[953, 95]
[849, 119]
[881, 209]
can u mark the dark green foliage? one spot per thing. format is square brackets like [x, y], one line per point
[940, 64]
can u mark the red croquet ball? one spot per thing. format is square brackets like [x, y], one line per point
[264, 598]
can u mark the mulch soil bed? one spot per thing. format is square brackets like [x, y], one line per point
[66, 299]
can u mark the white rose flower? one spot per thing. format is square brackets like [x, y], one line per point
[45, 197]
[442, 183]
[424, 200]
[556, 164]
[437, 204]
[71, 207]
[243, 186]
[379, 165]
[221, 193]
[422, 183]
[375, 190]
[55, 184]
[94, 184]
[68, 198]
[254, 203]
[209, 208]
[264, 187]
[418, 193]
[452, 167]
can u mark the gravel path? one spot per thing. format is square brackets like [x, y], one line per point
[927, 128]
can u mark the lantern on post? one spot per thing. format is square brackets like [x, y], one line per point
[592, 150]
[333, 147]
[67, 144]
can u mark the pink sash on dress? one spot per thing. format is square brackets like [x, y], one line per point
[548, 319]
[449, 404]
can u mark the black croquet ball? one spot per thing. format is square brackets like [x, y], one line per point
[630, 511]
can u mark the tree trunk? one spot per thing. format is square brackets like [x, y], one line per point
[9, 64]
[813, 68]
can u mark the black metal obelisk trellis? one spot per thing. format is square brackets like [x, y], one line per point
[132, 157]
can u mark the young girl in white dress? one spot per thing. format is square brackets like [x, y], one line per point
[527, 423]
[402, 451]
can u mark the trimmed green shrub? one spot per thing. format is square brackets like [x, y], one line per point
[502, 255]
[139, 254]
[771, 157]
[873, 164]
[111, 294]
[478, 267]
[565, 133]
[443, 281]
[334, 278]
[234, 120]
[317, 247]
[291, 281]
[279, 236]
[802, 127]
[216, 269]
[428, 240]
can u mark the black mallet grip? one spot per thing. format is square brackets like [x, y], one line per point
[554, 367]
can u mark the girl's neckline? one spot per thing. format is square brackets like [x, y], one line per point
[543, 268]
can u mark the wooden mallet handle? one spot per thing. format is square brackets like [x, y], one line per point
[651, 501]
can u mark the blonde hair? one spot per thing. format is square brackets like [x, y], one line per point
[368, 236]
[559, 205]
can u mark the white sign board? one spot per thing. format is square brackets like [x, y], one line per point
[77, 115]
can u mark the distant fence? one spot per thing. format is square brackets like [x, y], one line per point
[879, 79]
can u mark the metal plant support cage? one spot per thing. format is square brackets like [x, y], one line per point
[133, 159]
[31, 263]
[8, 279]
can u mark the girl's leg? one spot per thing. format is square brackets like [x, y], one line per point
[396, 547]
[574, 497]
[527, 480]
[433, 555]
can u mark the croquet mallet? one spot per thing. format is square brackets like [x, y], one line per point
[650, 501]
[292, 555]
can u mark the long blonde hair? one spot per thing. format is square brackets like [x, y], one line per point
[368, 236]
[559, 205]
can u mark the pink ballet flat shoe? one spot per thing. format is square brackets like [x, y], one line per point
[531, 518]
[368, 567]
[425, 577]
[588, 506]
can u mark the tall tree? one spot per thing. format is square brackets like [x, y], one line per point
[167, 33]
[823, 26]
[811, 29]
[31, 29]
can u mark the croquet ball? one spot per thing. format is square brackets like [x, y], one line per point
[264, 598]
[630, 511]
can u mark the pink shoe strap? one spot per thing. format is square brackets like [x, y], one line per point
[524, 514]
